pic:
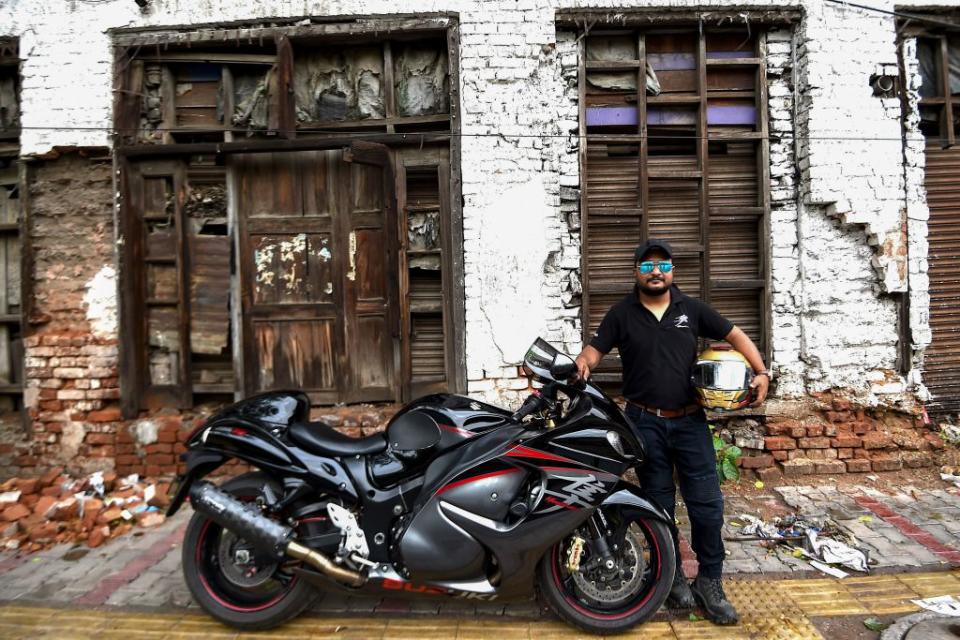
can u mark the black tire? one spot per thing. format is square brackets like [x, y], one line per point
[280, 599]
[559, 591]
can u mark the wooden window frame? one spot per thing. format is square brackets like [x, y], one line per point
[638, 25]
[11, 322]
[397, 132]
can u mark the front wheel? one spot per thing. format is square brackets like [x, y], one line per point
[230, 581]
[615, 593]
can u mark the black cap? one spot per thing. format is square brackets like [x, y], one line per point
[649, 246]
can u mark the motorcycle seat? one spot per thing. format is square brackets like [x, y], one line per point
[321, 439]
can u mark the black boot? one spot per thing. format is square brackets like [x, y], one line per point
[709, 594]
[680, 595]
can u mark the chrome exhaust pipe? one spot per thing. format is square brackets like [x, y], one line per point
[268, 536]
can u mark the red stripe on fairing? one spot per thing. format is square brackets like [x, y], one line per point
[484, 476]
[560, 503]
[457, 430]
[521, 451]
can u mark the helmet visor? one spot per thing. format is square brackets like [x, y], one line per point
[724, 375]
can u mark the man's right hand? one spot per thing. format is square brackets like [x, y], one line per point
[583, 369]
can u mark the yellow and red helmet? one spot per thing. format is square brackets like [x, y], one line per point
[722, 379]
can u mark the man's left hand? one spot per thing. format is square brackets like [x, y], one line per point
[760, 386]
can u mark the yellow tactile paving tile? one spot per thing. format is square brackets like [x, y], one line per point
[882, 594]
[704, 630]
[786, 627]
[940, 583]
[822, 597]
[756, 597]
[770, 610]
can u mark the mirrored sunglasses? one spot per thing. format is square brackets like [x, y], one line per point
[663, 265]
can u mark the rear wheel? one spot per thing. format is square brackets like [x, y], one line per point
[613, 594]
[230, 580]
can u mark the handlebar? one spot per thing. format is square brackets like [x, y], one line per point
[534, 402]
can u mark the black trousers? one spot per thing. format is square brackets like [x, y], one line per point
[685, 444]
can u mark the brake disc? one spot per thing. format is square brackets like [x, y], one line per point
[616, 586]
[240, 563]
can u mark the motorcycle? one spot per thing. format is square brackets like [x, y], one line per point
[457, 498]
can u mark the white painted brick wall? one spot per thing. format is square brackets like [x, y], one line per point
[837, 200]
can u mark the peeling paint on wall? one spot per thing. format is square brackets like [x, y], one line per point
[101, 302]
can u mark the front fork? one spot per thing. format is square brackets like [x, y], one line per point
[603, 543]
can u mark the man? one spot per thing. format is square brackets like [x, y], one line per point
[656, 329]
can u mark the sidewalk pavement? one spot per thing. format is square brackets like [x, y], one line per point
[912, 530]
[813, 609]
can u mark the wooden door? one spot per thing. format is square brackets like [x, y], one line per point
[368, 224]
[315, 287]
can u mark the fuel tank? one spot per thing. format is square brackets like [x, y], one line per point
[459, 419]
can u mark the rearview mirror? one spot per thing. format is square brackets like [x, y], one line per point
[563, 367]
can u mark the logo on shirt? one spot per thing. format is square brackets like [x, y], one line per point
[681, 322]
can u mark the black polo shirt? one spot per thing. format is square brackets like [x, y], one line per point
[658, 356]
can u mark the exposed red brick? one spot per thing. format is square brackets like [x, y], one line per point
[791, 428]
[844, 454]
[97, 536]
[776, 443]
[158, 448]
[67, 509]
[846, 441]
[840, 404]
[797, 467]
[814, 443]
[26, 486]
[99, 438]
[770, 474]
[877, 440]
[838, 416]
[814, 430]
[916, 459]
[105, 415]
[908, 440]
[862, 427]
[857, 465]
[160, 459]
[91, 509]
[45, 506]
[830, 429]
[14, 512]
[756, 462]
[780, 455]
[886, 462]
[109, 515]
[829, 466]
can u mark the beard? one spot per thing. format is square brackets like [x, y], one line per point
[651, 291]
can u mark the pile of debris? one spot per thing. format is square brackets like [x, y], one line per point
[36, 513]
[824, 544]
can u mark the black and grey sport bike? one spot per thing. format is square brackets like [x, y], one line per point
[457, 498]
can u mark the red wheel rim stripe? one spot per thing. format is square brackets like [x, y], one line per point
[606, 616]
[221, 601]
